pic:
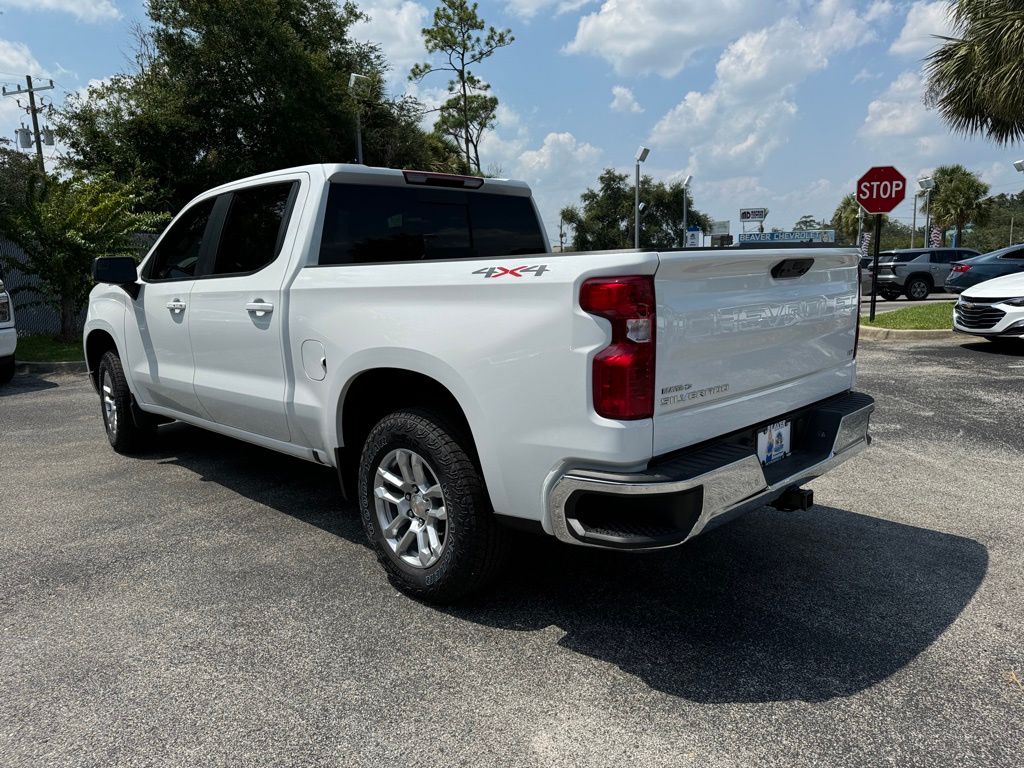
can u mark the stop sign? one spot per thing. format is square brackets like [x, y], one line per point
[881, 189]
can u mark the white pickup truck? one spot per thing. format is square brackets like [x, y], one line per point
[414, 331]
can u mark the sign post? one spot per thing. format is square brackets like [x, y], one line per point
[879, 191]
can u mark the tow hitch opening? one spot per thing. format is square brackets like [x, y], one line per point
[795, 499]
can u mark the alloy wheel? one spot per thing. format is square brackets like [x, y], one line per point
[410, 508]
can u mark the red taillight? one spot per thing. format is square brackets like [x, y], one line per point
[961, 267]
[624, 370]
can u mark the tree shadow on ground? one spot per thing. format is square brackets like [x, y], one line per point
[773, 607]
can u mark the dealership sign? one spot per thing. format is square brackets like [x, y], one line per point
[753, 214]
[797, 236]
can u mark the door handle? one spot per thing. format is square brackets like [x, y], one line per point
[259, 307]
[176, 306]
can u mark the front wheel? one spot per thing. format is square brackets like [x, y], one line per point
[917, 288]
[890, 294]
[425, 508]
[118, 408]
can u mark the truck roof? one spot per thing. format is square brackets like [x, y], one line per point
[366, 174]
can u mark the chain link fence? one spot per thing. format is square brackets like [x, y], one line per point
[32, 315]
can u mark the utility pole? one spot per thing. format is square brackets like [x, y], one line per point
[33, 110]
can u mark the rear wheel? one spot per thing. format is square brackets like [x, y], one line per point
[6, 371]
[425, 508]
[127, 429]
[917, 288]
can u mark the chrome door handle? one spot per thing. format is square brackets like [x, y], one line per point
[176, 306]
[260, 308]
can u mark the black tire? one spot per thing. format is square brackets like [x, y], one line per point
[890, 294]
[917, 288]
[474, 544]
[127, 428]
[6, 371]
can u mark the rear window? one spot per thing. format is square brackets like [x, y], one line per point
[367, 224]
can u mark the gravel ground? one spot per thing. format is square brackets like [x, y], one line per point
[213, 604]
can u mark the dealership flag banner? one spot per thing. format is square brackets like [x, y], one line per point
[936, 238]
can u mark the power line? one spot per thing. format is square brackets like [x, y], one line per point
[31, 90]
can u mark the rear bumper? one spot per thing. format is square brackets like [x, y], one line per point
[679, 497]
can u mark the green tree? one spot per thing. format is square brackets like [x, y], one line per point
[846, 219]
[456, 35]
[227, 88]
[958, 198]
[974, 77]
[64, 225]
[605, 216]
[807, 222]
[17, 170]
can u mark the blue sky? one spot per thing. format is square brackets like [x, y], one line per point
[780, 104]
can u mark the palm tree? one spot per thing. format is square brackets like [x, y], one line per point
[959, 198]
[974, 79]
[846, 218]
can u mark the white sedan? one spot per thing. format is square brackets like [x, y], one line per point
[993, 310]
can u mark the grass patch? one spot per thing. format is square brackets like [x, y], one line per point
[924, 317]
[46, 349]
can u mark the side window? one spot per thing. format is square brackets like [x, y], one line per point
[177, 256]
[254, 229]
[941, 257]
[366, 224]
[1017, 254]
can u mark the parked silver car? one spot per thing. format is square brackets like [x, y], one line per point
[914, 272]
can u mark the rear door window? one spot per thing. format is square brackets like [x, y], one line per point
[177, 255]
[254, 228]
[375, 224]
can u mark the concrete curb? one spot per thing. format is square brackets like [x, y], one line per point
[74, 367]
[891, 334]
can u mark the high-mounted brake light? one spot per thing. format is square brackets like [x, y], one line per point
[442, 180]
[623, 371]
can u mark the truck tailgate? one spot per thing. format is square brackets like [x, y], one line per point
[738, 345]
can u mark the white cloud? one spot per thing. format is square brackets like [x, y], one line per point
[879, 10]
[87, 10]
[864, 75]
[744, 116]
[899, 110]
[527, 9]
[899, 124]
[924, 21]
[396, 25]
[643, 36]
[623, 100]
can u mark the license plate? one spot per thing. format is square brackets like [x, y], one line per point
[773, 443]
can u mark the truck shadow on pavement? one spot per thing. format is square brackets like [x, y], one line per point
[776, 606]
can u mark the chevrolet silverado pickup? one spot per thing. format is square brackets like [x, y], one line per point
[415, 332]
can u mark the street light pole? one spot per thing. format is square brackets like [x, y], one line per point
[641, 155]
[355, 82]
[913, 225]
[686, 228]
[925, 185]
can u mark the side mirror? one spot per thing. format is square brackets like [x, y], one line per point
[117, 270]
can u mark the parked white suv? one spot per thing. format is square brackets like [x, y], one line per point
[993, 309]
[8, 335]
[414, 331]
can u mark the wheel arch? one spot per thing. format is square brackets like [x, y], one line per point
[373, 393]
[98, 341]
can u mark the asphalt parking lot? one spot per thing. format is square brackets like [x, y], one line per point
[213, 604]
